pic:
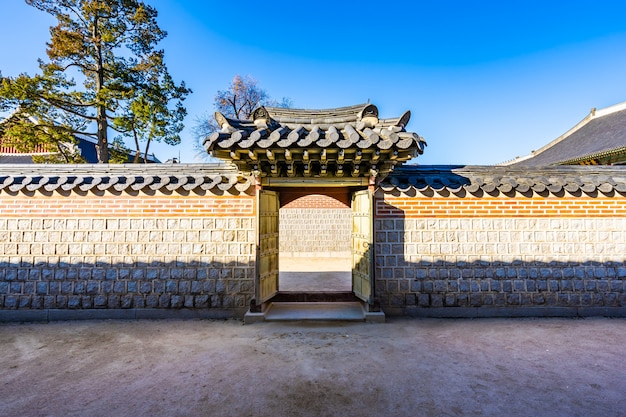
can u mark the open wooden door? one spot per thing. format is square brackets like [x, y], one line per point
[267, 264]
[362, 245]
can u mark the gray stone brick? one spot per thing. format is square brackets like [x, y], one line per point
[216, 301]
[61, 301]
[99, 301]
[93, 287]
[176, 301]
[545, 273]
[10, 275]
[106, 287]
[513, 299]
[476, 300]
[538, 299]
[126, 301]
[171, 286]
[602, 285]
[119, 287]
[138, 274]
[586, 299]
[67, 287]
[86, 301]
[132, 286]
[41, 288]
[24, 301]
[49, 301]
[423, 300]
[84, 273]
[462, 300]
[113, 301]
[488, 299]
[188, 301]
[450, 300]
[201, 301]
[35, 303]
[416, 286]
[579, 285]
[152, 301]
[396, 300]
[139, 301]
[185, 286]
[164, 300]
[551, 298]
[73, 302]
[145, 287]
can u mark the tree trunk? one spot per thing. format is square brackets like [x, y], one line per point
[102, 148]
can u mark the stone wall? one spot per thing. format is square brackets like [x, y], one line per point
[315, 224]
[156, 241]
[133, 253]
[450, 255]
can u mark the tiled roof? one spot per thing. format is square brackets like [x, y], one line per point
[348, 141]
[599, 136]
[215, 178]
[490, 180]
[221, 178]
[86, 146]
[16, 159]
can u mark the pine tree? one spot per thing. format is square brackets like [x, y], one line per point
[104, 72]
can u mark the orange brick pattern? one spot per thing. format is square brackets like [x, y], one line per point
[499, 207]
[126, 206]
[335, 199]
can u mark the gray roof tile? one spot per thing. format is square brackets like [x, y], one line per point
[480, 180]
[600, 133]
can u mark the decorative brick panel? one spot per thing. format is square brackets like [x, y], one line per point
[315, 198]
[499, 207]
[126, 206]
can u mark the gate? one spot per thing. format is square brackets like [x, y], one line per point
[362, 245]
[267, 265]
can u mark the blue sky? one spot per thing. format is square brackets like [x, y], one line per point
[484, 81]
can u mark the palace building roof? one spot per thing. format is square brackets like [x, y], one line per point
[348, 141]
[598, 139]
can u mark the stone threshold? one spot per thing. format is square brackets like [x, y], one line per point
[338, 311]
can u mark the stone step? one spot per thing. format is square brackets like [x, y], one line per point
[315, 311]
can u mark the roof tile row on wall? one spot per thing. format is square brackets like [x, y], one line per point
[480, 180]
[215, 178]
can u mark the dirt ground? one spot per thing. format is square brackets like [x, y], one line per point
[405, 367]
